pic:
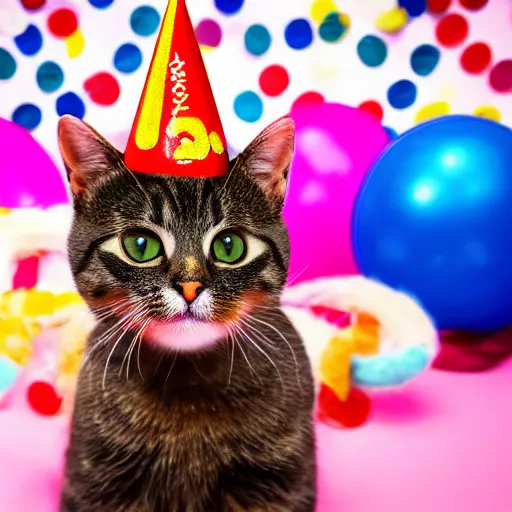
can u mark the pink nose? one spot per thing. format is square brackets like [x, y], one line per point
[190, 290]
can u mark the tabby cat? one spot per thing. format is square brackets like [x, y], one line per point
[196, 393]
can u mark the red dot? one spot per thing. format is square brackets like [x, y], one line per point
[102, 88]
[452, 30]
[473, 5]
[62, 23]
[32, 5]
[475, 58]
[274, 80]
[500, 77]
[308, 98]
[373, 108]
[438, 6]
[43, 398]
[353, 412]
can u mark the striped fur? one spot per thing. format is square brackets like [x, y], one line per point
[227, 427]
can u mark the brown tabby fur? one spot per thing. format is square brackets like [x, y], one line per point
[225, 428]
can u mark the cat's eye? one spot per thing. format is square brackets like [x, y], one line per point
[141, 247]
[228, 247]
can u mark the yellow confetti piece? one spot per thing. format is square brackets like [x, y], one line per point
[321, 9]
[431, 111]
[75, 44]
[4, 211]
[335, 363]
[366, 334]
[392, 21]
[38, 303]
[488, 112]
[66, 299]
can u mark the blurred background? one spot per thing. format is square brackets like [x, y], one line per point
[400, 195]
[90, 58]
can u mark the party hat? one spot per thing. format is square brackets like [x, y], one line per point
[177, 128]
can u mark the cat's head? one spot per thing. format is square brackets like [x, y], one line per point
[183, 259]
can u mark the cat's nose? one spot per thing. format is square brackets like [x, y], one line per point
[189, 289]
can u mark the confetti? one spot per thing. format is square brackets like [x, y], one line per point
[274, 80]
[476, 58]
[392, 21]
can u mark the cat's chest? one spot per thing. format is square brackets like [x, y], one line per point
[192, 429]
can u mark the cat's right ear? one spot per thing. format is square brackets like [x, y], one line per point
[87, 156]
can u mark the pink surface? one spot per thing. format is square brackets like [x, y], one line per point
[442, 444]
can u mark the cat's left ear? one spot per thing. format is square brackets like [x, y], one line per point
[269, 156]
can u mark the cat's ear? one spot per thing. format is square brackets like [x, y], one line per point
[268, 157]
[87, 156]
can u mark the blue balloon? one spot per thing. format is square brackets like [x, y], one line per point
[433, 218]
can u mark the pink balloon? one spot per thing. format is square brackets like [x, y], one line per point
[28, 176]
[335, 146]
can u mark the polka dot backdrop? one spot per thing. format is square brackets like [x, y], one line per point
[402, 61]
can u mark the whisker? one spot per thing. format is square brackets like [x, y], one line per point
[171, 368]
[108, 335]
[257, 347]
[296, 363]
[108, 360]
[239, 345]
[296, 275]
[260, 335]
[132, 345]
[231, 339]
[141, 332]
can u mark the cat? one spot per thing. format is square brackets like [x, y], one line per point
[195, 394]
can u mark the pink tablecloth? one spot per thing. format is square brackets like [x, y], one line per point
[443, 444]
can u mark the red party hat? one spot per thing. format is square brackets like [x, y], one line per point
[177, 128]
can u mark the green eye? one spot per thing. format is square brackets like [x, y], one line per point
[228, 247]
[142, 247]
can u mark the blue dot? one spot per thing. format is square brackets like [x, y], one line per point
[392, 133]
[101, 4]
[7, 65]
[331, 29]
[424, 59]
[145, 20]
[298, 34]
[30, 42]
[128, 58]
[70, 103]
[229, 6]
[27, 115]
[248, 106]
[257, 39]
[49, 76]
[414, 8]
[8, 373]
[372, 51]
[402, 94]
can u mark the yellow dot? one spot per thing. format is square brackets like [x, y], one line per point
[488, 112]
[344, 20]
[4, 211]
[75, 44]
[431, 111]
[205, 48]
[392, 21]
[321, 9]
